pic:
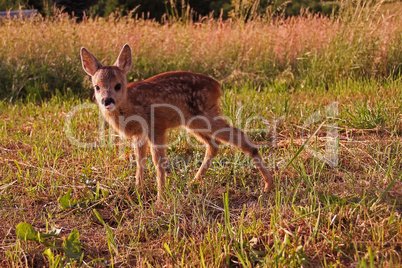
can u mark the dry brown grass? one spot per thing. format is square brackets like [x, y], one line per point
[346, 216]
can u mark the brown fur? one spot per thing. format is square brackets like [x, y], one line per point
[144, 111]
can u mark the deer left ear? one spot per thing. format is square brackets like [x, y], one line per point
[124, 60]
[89, 63]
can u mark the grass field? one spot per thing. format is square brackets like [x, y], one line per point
[321, 96]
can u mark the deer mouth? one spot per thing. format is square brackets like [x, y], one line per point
[109, 107]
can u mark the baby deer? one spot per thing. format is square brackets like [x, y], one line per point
[144, 111]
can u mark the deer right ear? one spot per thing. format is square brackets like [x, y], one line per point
[89, 62]
[124, 60]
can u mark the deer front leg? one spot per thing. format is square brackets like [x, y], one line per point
[140, 150]
[158, 151]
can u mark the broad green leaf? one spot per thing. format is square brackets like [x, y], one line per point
[72, 246]
[49, 254]
[53, 262]
[26, 232]
[66, 201]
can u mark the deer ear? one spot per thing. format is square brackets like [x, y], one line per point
[89, 62]
[124, 60]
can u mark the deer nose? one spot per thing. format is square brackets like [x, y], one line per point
[108, 103]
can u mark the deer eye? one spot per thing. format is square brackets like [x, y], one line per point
[97, 88]
[117, 87]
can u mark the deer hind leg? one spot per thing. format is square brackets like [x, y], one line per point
[140, 152]
[212, 148]
[158, 151]
[222, 131]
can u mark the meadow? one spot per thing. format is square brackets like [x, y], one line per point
[321, 96]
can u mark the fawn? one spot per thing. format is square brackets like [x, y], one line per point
[145, 110]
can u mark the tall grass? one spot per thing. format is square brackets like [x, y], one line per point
[39, 57]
